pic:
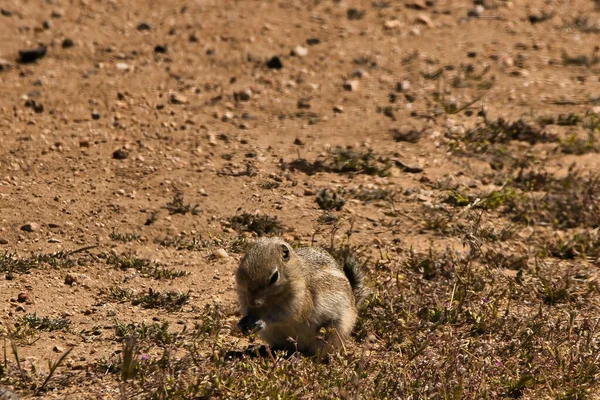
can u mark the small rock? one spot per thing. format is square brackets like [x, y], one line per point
[160, 49]
[5, 64]
[354, 14]
[57, 349]
[23, 298]
[193, 38]
[3, 241]
[67, 43]
[274, 63]
[424, 19]
[309, 192]
[31, 55]
[122, 66]
[338, 109]
[402, 86]
[227, 116]
[351, 85]
[6, 13]
[202, 192]
[31, 227]
[392, 24]
[221, 253]
[70, 279]
[120, 154]
[359, 73]
[243, 95]
[56, 14]
[298, 142]
[144, 26]
[300, 51]
[177, 98]
[417, 5]
[54, 240]
[95, 115]
[313, 41]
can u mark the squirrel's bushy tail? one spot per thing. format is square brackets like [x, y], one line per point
[355, 272]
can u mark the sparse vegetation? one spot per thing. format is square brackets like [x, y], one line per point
[345, 160]
[260, 224]
[170, 301]
[178, 206]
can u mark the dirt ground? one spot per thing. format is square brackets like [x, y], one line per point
[148, 125]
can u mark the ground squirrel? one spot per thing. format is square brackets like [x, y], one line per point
[289, 296]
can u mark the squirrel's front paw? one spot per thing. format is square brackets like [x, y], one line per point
[249, 324]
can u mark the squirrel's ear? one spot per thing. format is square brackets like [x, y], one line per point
[286, 252]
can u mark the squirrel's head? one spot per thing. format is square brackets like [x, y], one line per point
[265, 271]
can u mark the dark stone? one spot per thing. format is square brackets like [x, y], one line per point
[120, 154]
[144, 26]
[67, 43]
[160, 49]
[274, 63]
[31, 55]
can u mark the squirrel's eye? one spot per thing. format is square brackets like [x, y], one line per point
[286, 252]
[274, 278]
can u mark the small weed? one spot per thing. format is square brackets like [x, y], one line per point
[569, 202]
[124, 237]
[117, 293]
[260, 224]
[581, 60]
[170, 301]
[329, 199]
[156, 333]
[178, 206]
[269, 185]
[574, 246]
[48, 324]
[561, 120]
[144, 267]
[370, 194]
[502, 131]
[344, 160]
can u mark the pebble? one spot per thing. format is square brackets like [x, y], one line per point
[300, 51]
[359, 73]
[31, 227]
[67, 43]
[392, 24]
[177, 98]
[23, 298]
[54, 240]
[274, 63]
[95, 115]
[3, 241]
[338, 109]
[70, 279]
[351, 85]
[160, 49]
[57, 349]
[221, 253]
[31, 55]
[122, 66]
[402, 86]
[5, 64]
[120, 154]
[144, 26]
[424, 19]
[313, 41]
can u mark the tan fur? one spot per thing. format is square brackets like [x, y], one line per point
[312, 295]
